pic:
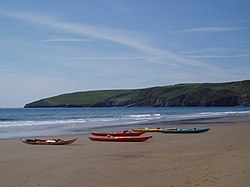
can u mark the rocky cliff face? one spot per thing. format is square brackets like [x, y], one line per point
[226, 94]
[187, 100]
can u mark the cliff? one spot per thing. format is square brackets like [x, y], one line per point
[188, 95]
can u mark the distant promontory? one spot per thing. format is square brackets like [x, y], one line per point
[179, 95]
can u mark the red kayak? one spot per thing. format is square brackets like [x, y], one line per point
[121, 133]
[120, 138]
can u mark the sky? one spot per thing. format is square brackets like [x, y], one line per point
[52, 47]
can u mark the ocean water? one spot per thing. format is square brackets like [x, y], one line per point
[26, 122]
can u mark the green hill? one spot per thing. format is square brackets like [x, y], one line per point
[199, 94]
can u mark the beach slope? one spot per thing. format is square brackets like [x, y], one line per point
[220, 157]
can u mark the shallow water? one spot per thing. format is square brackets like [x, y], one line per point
[27, 122]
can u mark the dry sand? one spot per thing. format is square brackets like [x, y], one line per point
[220, 157]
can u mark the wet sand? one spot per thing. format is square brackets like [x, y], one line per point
[220, 157]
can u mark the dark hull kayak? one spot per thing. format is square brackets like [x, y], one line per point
[185, 131]
[48, 141]
[121, 138]
[125, 133]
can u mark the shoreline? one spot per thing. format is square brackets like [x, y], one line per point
[219, 157]
[207, 122]
[41, 122]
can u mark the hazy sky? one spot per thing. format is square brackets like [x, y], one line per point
[51, 47]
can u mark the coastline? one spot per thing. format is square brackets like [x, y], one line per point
[28, 123]
[220, 157]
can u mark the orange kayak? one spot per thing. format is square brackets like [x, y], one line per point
[120, 138]
[153, 129]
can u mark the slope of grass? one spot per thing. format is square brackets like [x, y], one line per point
[214, 94]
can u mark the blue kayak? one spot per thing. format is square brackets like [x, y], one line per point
[185, 131]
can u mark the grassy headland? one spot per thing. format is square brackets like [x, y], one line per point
[190, 95]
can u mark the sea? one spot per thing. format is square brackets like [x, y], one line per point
[32, 122]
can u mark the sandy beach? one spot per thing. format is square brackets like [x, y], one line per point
[220, 157]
